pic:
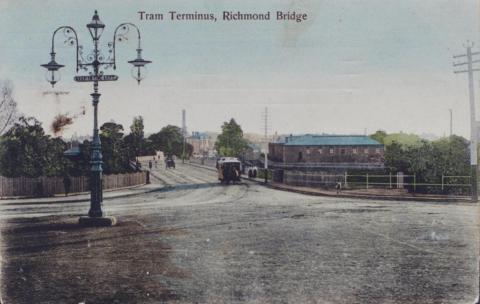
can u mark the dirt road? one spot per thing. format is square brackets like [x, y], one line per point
[200, 242]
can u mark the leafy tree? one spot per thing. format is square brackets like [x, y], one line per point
[114, 150]
[112, 130]
[137, 127]
[379, 136]
[451, 155]
[135, 141]
[8, 106]
[25, 150]
[395, 158]
[403, 139]
[170, 141]
[428, 160]
[420, 160]
[231, 142]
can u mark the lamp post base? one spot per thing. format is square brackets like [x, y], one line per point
[105, 221]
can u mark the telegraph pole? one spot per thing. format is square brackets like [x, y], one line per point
[266, 144]
[451, 122]
[473, 124]
[184, 133]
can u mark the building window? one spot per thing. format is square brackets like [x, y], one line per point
[300, 156]
[308, 150]
[320, 151]
[377, 150]
[331, 151]
[365, 150]
[354, 150]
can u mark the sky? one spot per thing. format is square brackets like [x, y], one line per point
[352, 67]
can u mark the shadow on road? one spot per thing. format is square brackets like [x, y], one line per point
[120, 264]
[195, 186]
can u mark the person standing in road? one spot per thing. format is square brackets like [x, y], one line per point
[66, 184]
[338, 187]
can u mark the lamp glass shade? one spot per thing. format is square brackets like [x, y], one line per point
[139, 73]
[52, 76]
[96, 26]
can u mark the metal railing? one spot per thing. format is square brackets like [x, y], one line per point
[391, 181]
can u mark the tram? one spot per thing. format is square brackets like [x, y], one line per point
[228, 170]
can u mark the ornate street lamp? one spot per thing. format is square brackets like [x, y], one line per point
[95, 65]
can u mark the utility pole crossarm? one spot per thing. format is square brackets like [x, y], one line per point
[465, 55]
[466, 71]
[465, 63]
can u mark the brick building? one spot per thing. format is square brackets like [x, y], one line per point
[352, 151]
[202, 143]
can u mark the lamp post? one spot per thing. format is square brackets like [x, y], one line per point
[94, 65]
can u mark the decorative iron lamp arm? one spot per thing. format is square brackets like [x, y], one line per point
[138, 63]
[53, 74]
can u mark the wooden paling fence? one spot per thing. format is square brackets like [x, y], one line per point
[49, 186]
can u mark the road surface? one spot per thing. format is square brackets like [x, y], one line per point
[198, 241]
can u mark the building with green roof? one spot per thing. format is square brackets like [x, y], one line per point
[328, 151]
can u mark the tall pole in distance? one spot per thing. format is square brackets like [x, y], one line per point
[473, 124]
[451, 122]
[266, 145]
[184, 133]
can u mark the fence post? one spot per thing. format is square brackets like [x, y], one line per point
[414, 182]
[367, 180]
[442, 182]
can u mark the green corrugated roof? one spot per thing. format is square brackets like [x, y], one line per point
[330, 140]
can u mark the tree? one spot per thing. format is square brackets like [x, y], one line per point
[403, 139]
[231, 142]
[25, 150]
[137, 127]
[8, 106]
[428, 160]
[170, 141]
[112, 130]
[452, 155]
[114, 150]
[135, 141]
[379, 136]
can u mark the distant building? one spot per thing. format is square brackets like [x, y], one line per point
[253, 152]
[328, 151]
[202, 143]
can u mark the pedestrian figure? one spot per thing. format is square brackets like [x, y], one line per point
[338, 186]
[66, 184]
[155, 164]
[150, 165]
